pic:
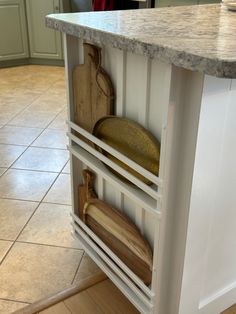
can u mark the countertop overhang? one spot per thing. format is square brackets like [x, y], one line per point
[198, 38]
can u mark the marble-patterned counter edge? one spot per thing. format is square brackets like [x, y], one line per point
[185, 59]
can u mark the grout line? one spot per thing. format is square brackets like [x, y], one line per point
[18, 199]
[50, 245]
[12, 300]
[23, 200]
[49, 147]
[34, 170]
[17, 157]
[14, 144]
[43, 202]
[6, 240]
[67, 307]
[7, 252]
[3, 171]
[76, 272]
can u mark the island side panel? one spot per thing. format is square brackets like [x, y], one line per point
[73, 56]
[181, 139]
[210, 254]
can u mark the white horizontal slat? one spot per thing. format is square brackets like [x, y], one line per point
[137, 196]
[114, 166]
[147, 174]
[128, 292]
[117, 260]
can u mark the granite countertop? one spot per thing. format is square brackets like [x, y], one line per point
[199, 38]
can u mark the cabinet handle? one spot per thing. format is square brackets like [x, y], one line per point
[56, 9]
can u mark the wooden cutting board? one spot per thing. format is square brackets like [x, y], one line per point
[116, 231]
[93, 92]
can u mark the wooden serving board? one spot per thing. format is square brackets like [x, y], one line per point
[117, 232]
[93, 92]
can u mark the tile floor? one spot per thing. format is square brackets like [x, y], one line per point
[38, 255]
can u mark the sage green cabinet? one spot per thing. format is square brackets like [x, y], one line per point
[165, 3]
[208, 1]
[13, 30]
[44, 42]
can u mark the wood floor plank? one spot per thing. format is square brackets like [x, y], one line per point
[59, 308]
[231, 310]
[110, 299]
[82, 303]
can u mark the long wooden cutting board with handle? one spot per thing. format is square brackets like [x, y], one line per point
[116, 231]
[93, 92]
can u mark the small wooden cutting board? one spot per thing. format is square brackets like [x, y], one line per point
[93, 92]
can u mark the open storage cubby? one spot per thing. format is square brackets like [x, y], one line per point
[137, 99]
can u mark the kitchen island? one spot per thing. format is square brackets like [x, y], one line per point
[174, 72]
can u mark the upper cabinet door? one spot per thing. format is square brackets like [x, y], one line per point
[208, 1]
[13, 30]
[168, 3]
[44, 42]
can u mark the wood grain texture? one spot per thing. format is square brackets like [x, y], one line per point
[59, 308]
[95, 300]
[116, 303]
[231, 310]
[82, 303]
[140, 264]
[93, 91]
[116, 231]
[85, 191]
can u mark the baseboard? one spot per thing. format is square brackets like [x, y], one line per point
[13, 63]
[62, 295]
[46, 61]
[38, 61]
[220, 301]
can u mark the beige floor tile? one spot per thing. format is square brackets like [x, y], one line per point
[87, 268]
[66, 169]
[51, 225]
[51, 139]
[31, 272]
[11, 105]
[4, 247]
[28, 119]
[9, 102]
[25, 94]
[2, 170]
[49, 103]
[60, 192]
[18, 135]
[9, 110]
[8, 307]
[5, 117]
[13, 217]
[57, 90]
[59, 123]
[42, 159]
[9, 153]
[25, 185]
